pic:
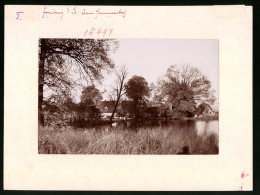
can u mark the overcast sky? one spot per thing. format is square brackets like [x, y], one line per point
[150, 58]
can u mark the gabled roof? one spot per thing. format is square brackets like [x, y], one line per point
[200, 109]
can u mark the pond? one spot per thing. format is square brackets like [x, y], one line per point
[201, 127]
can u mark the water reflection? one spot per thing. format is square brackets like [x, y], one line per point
[201, 127]
[206, 127]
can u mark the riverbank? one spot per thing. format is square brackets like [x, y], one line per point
[102, 122]
[201, 118]
[170, 118]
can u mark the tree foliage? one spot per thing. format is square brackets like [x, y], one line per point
[90, 96]
[56, 108]
[88, 106]
[185, 87]
[137, 90]
[61, 59]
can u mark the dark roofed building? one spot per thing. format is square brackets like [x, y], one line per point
[204, 110]
[106, 106]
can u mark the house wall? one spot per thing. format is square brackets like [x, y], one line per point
[107, 115]
[208, 112]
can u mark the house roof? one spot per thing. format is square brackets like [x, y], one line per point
[106, 106]
[202, 107]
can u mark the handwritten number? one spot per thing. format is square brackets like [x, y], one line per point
[85, 33]
[99, 31]
[17, 13]
[92, 31]
[110, 31]
[104, 32]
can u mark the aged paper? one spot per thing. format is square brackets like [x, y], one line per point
[25, 169]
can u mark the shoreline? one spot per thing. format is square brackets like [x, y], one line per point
[101, 122]
[167, 119]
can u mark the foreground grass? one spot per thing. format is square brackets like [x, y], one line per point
[115, 141]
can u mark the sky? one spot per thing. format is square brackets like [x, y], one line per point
[150, 58]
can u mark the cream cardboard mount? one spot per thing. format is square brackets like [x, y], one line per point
[25, 169]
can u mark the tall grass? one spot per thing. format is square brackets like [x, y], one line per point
[118, 141]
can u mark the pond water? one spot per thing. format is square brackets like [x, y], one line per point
[201, 127]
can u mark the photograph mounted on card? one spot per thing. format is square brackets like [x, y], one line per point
[130, 97]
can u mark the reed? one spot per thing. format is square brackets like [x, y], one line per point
[120, 141]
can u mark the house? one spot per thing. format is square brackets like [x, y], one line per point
[124, 109]
[145, 111]
[106, 108]
[204, 110]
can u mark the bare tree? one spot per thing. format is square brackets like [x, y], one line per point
[118, 89]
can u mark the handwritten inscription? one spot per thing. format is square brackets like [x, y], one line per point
[81, 11]
[98, 31]
[18, 15]
[100, 12]
[46, 13]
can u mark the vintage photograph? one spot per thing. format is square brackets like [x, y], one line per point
[128, 96]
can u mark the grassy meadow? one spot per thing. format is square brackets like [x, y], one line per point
[67, 140]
